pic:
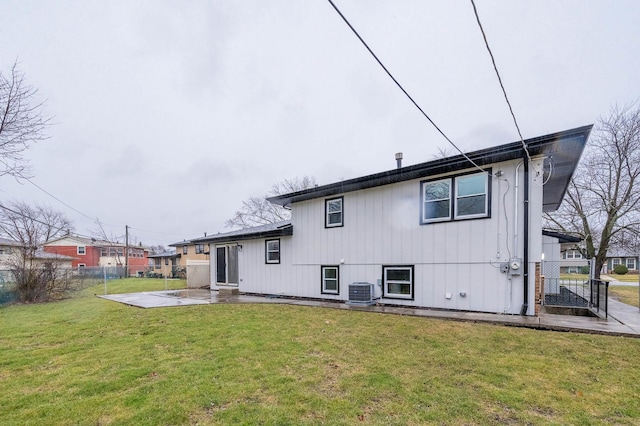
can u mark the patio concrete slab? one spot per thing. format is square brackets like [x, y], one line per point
[623, 320]
[154, 299]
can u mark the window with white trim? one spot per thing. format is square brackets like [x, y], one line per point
[456, 198]
[272, 251]
[199, 248]
[631, 263]
[82, 250]
[397, 282]
[334, 212]
[436, 199]
[185, 249]
[616, 261]
[330, 279]
[471, 196]
[572, 254]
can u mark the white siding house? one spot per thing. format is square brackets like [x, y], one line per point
[444, 234]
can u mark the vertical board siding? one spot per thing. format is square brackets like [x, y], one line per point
[382, 227]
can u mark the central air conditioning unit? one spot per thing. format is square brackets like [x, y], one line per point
[360, 294]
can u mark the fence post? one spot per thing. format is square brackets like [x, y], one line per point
[104, 269]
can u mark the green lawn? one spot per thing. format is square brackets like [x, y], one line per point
[624, 294]
[89, 361]
[628, 278]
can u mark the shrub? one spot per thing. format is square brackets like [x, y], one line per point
[620, 269]
[585, 270]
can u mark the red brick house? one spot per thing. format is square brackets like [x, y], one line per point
[90, 252]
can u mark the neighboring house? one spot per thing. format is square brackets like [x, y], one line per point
[569, 259]
[441, 234]
[620, 257]
[164, 264]
[188, 250]
[90, 252]
[7, 249]
[192, 260]
[555, 261]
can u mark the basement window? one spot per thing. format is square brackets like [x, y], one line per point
[330, 280]
[397, 282]
[272, 251]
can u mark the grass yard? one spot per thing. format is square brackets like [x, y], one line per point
[625, 294]
[89, 361]
[627, 278]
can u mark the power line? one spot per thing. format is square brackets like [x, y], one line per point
[60, 201]
[495, 67]
[402, 88]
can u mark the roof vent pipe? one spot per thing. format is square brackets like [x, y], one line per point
[399, 159]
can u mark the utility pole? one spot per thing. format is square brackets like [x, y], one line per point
[126, 251]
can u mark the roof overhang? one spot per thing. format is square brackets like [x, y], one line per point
[561, 150]
[271, 230]
[562, 238]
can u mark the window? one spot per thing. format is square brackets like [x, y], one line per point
[471, 196]
[199, 248]
[616, 261]
[82, 250]
[333, 210]
[166, 261]
[572, 254]
[437, 200]
[272, 251]
[185, 249]
[120, 252]
[398, 282]
[455, 198]
[330, 279]
[631, 263]
[81, 266]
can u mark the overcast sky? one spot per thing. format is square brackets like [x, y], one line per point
[169, 113]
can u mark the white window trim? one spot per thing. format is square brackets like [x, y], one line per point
[485, 193]
[385, 286]
[326, 213]
[267, 251]
[424, 201]
[81, 252]
[324, 289]
[453, 199]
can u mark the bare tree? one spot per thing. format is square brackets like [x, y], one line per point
[21, 122]
[32, 225]
[36, 273]
[442, 153]
[602, 203]
[257, 211]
